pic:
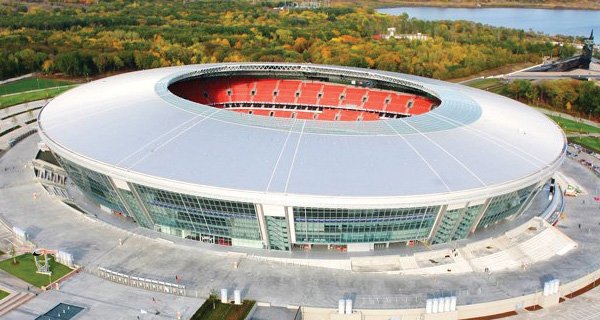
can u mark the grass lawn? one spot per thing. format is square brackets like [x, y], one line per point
[32, 83]
[489, 84]
[223, 311]
[591, 143]
[26, 270]
[574, 126]
[7, 101]
[3, 294]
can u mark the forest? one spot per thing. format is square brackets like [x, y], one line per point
[85, 40]
[546, 4]
[569, 96]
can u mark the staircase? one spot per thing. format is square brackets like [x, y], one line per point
[13, 301]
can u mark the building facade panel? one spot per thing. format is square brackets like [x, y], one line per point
[94, 185]
[505, 206]
[237, 223]
[200, 218]
[342, 226]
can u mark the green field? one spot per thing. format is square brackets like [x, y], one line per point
[569, 125]
[29, 84]
[591, 143]
[223, 311]
[26, 270]
[3, 294]
[489, 84]
[11, 100]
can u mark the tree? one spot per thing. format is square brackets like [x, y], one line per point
[588, 100]
[13, 253]
[301, 44]
[213, 297]
[521, 90]
[115, 35]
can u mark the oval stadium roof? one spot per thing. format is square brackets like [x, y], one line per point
[474, 143]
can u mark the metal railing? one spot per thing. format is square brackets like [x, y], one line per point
[142, 283]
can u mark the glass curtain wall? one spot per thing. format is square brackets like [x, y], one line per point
[277, 228]
[221, 221]
[200, 217]
[94, 185]
[504, 206]
[462, 231]
[341, 226]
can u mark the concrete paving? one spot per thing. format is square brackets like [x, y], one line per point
[107, 300]
[18, 115]
[143, 253]
[274, 313]
[583, 307]
[593, 73]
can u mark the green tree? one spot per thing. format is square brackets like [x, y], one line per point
[588, 100]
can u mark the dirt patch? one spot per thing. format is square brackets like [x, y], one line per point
[534, 307]
[584, 289]
[494, 316]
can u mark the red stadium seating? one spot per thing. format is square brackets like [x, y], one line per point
[309, 92]
[376, 100]
[420, 106]
[241, 89]
[306, 115]
[354, 97]
[301, 99]
[349, 115]
[370, 116]
[265, 89]
[216, 90]
[331, 95]
[329, 114]
[398, 103]
[287, 91]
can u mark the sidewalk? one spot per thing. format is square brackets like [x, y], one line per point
[566, 116]
[16, 78]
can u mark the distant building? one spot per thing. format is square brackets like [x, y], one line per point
[588, 50]
[392, 34]
[305, 4]
[578, 62]
[312, 4]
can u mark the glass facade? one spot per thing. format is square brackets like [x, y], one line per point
[277, 228]
[447, 226]
[469, 217]
[135, 208]
[456, 224]
[200, 218]
[504, 206]
[342, 226]
[237, 223]
[94, 185]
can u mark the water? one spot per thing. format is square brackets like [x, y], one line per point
[559, 21]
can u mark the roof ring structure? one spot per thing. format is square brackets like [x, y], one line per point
[321, 93]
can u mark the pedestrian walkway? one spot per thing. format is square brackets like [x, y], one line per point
[107, 300]
[16, 120]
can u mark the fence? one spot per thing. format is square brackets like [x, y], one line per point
[143, 283]
[20, 234]
[64, 258]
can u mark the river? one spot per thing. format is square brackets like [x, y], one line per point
[549, 21]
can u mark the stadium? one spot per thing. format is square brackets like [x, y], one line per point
[301, 157]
